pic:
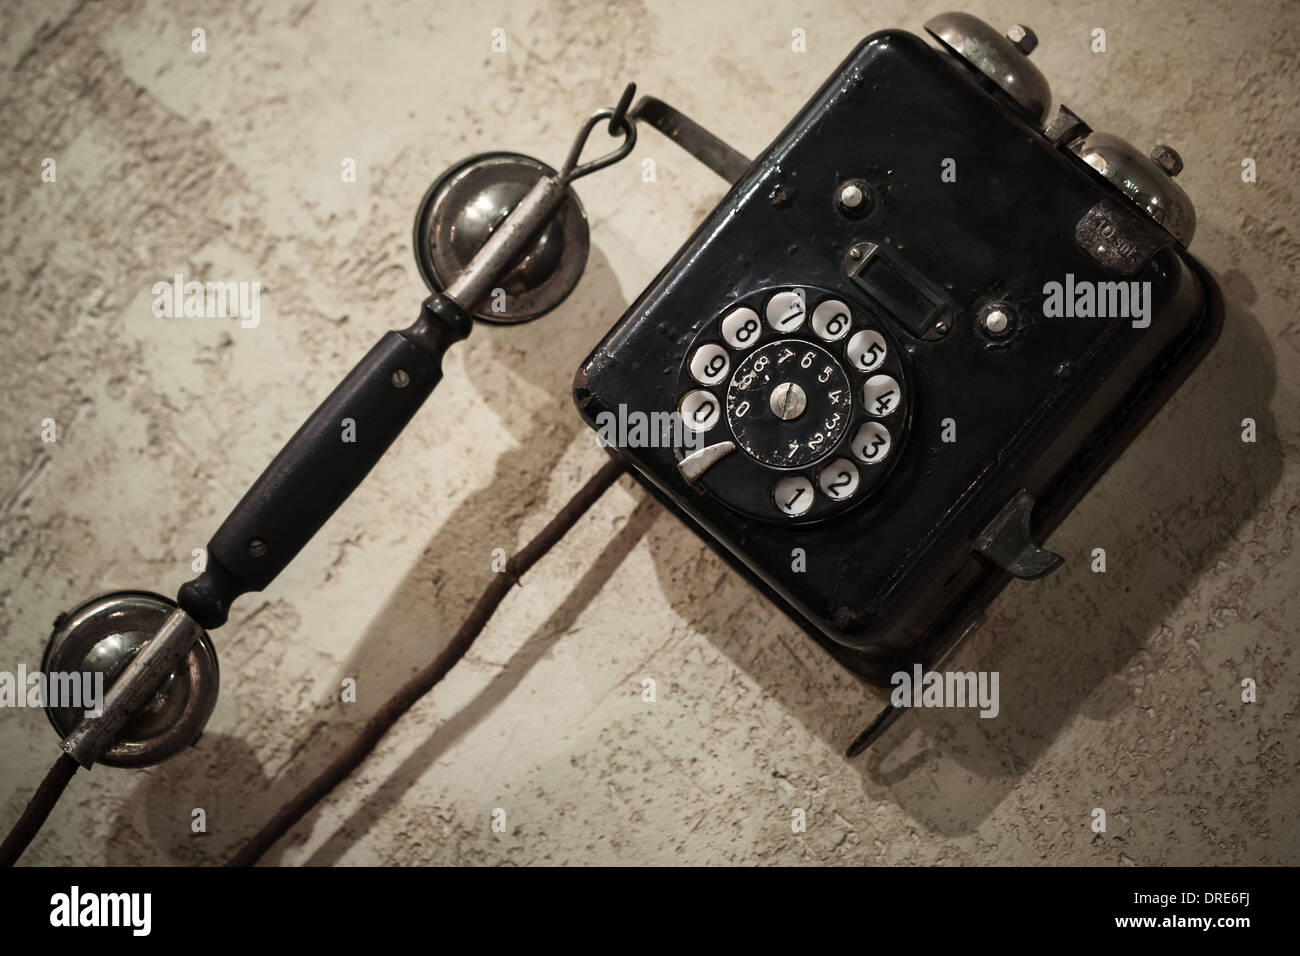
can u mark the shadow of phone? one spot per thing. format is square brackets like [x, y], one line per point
[214, 779]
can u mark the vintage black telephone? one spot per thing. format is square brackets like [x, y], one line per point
[855, 356]
[860, 341]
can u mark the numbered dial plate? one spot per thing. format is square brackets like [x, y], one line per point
[797, 403]
[789, 403]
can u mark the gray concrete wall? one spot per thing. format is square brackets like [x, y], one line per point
[1119, 691]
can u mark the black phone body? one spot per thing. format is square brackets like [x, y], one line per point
[967, 208]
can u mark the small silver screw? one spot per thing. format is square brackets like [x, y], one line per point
[1167, 159]
[257, 547]
[788, 401]
[1024, 38]
[995, 322]
[851, 196]
[401, 378]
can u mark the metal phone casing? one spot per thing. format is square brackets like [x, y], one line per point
[1044, 410]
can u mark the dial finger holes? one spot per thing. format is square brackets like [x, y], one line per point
[741, 328]
[700, 410]
[802, 388]
[839, 479]
[793, 495]
[831, 320]
[710, 364]
[881, 395]
[866, 350]
[871, 443]
[786, 311]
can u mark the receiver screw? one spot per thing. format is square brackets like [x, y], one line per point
[257, 547]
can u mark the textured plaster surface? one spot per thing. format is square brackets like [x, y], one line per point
[1119, 690]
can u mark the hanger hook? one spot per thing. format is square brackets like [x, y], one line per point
[617, 118]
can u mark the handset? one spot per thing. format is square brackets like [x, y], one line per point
[324, 461]
[333, 451]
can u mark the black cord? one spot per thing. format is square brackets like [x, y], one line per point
[427, 678]
[38, 809]
[57, 779]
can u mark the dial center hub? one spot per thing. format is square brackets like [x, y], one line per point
[788, 401]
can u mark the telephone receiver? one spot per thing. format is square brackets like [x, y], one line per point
[500, 237]
[808, 342]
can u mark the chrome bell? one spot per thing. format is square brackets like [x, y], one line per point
[1001, 58]
[1147, 180]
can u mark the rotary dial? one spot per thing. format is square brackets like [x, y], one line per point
[797, 404]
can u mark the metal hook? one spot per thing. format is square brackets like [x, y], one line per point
[571, 171]
[620, 109]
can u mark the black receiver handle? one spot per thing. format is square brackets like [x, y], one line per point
[324, 461]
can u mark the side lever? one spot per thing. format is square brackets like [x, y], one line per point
[1008, 542]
